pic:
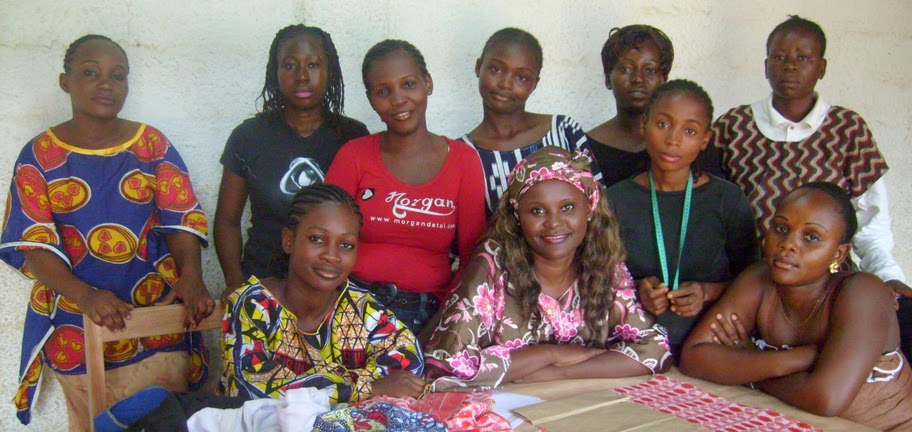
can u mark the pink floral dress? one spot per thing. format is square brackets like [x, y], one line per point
[482, 324]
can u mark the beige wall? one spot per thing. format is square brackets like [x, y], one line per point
[197, 67]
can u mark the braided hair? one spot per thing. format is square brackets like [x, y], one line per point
[843, 203]
[273, 101]
[683, 86]
[304, 201]
[71, 50]
[386, 47]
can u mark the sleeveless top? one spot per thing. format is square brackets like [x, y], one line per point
[885, 399]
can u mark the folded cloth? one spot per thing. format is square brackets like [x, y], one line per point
[172, 414]
[375, 416]
[122, 414]
[295, 412]
[459, 411]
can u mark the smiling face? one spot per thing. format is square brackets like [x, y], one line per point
[805, 236]
[398, 92]
[323, 247]
[676, 129]
[635, 77]
[553, 216]
[303, 73]
[794, 64]
[507, 75]
[97, 80]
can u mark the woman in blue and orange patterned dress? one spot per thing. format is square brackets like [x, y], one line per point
[102, 215]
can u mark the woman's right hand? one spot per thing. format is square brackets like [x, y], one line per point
[104, 308]
[400, 383]
[653, 295]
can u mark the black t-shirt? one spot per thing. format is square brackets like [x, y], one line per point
[276, 162]
[616, 164]
[721, 238]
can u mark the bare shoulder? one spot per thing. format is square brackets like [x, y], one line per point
[754, 280]
[863, 289]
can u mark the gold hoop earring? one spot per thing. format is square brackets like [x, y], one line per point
[834, 266]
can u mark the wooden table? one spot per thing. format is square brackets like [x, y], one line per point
[560, 389]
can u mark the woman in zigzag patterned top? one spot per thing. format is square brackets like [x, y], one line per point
[794, 137]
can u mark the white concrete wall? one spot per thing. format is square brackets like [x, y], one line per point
[197, 67]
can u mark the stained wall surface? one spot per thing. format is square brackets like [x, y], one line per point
[197, 68]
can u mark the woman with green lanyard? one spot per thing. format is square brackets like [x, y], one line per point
[687, 234]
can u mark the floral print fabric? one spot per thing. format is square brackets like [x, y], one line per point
[482, 324]
[265, 354]
[375, 416]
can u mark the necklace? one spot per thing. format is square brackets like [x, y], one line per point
[660, 238]
[811, 315]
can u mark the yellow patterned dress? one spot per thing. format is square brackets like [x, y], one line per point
[266, 354]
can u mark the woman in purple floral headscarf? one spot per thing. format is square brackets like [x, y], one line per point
[546, 296]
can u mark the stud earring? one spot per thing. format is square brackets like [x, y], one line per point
[834, 266]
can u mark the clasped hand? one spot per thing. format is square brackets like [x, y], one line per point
[686, 301]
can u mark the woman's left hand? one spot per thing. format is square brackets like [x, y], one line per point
[730, 332]
[195, 297]
[688, 299]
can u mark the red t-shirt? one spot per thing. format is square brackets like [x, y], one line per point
[408, 230]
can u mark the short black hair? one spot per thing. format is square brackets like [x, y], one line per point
[513, 34]
[386, 47]
[273, 101]
[843, 201]
[683, 86]
[71, 50]
[795, 22]
[632, 37]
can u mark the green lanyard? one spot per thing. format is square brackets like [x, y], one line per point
[660, 239]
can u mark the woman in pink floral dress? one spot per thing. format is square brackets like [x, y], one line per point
[546, 295]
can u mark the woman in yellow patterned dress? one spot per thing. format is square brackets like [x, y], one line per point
[314, 328]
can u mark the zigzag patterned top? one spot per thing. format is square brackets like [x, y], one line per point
[841, 151]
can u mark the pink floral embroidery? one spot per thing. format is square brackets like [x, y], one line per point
[487, 305]
[549, 307]
[626, 294]
[462, 314]
[557, 166]
[543, 173]
[499, 351]
[464, 365]
[515, 344]
[565, 325]
[628, 333]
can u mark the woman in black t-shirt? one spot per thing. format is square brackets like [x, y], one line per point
[285, 147]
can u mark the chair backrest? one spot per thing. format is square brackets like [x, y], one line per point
[144, 322]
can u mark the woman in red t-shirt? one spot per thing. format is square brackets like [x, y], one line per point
[421, 193]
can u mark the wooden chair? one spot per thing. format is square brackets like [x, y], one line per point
[144, 322]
